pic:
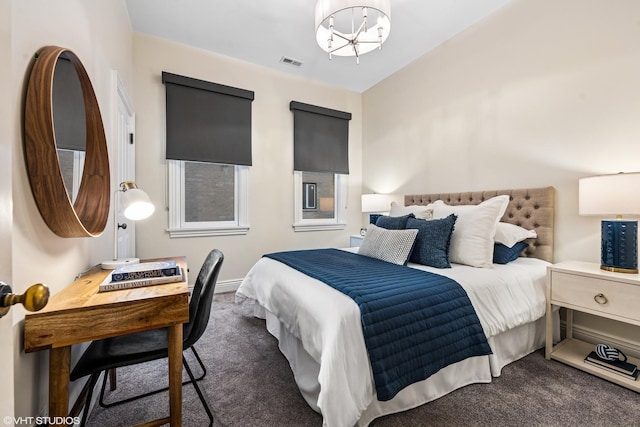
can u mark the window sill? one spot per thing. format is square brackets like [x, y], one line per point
[318, 227]
[205, 232]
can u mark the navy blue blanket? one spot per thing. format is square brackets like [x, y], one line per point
[414, 322]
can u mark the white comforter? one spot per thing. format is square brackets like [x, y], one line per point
[327, 322]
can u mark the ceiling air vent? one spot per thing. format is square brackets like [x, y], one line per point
[290, 61]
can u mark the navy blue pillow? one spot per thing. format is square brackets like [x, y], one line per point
[394, 222]
[432, 242]
[503, 254]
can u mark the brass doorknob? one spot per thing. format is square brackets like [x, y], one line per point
[33, 299]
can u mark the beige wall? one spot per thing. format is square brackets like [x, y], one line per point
[541, 93]
[99, 33]
[270, 177]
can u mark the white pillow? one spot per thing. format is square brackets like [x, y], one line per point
[473, 234]
[421, 212]
[510, 234]
[393, 246]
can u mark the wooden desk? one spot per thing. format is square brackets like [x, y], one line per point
[78, 313]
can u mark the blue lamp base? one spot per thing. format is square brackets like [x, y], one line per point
[373, 218]
[619, 246]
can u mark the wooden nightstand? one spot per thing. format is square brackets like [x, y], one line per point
[585, 287]
[355, 241]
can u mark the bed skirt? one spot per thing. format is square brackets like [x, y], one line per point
[507, 347]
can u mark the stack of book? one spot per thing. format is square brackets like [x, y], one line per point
[626, 369]
[141, 274]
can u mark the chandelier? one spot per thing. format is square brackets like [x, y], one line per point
[352, 27]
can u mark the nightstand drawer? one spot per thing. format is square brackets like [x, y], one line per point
[620, 299]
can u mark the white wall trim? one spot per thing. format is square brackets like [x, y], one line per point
[206, 232]
[227, 286]
[223, 286]
[318, 227]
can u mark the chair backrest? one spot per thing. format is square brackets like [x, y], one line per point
[202, 297]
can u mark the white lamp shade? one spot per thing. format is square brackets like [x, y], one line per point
[375, 203]
[137, 204]
[616, 194]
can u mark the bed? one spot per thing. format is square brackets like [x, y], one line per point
[319, 329]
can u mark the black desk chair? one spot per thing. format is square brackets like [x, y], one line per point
[104, 355]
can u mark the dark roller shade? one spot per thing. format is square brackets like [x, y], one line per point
[207, 122]
[68, 107]
[320, 139]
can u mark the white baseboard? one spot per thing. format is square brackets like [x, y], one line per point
[224, 286]
[631, 348]
[227, 286]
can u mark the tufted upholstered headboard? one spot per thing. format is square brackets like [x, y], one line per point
[531, 208]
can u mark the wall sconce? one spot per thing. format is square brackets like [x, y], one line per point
[136, 205]
[617, 195]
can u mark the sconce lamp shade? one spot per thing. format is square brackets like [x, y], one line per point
[136, 205]
[614, 195]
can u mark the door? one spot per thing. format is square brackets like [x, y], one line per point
[125, 160]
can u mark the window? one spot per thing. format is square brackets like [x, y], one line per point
[321, 167]
[208, 157]
[329, 210]
[207, 199]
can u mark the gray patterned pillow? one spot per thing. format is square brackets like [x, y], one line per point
[393, 246]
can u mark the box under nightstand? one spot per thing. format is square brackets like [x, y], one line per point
[584, 287]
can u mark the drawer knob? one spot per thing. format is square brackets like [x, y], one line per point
[600, 299]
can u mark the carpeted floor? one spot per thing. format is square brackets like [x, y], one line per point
[249, 383]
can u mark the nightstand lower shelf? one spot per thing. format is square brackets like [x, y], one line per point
[572, 352]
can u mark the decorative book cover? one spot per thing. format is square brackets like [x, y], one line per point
[110, 285]
[620, 367]
[145, 270]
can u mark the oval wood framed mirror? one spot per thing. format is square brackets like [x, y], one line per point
[88, 215]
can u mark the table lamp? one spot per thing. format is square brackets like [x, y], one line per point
[136, 205]
[374, 205]
[614, 195]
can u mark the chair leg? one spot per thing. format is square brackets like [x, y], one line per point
[85, 412]
[151, 393]
[104, 385]
[198, 391]
[112, 379]
[204, 370]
